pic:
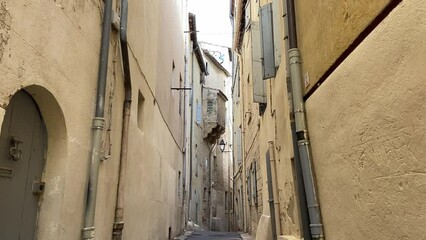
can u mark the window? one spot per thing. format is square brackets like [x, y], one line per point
[259, 86]
[199, 113]
[277, 20]
[267, 41]
[141, 102]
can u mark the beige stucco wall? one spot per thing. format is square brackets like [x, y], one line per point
[153, 204]
[367, 129]
[326, 28]
[55, 45]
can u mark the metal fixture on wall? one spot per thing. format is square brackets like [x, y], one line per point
[88, 231]
[271, 195]
[299, 127]
[119, 207]
[222, 145]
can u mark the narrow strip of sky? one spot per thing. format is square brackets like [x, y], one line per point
[213, 21]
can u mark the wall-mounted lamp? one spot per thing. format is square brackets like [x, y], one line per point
[222, 145]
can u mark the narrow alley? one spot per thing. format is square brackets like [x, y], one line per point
[212, 119]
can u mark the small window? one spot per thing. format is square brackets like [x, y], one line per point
[259, 85]
[267, 41]
[199, 113]
[141, 103]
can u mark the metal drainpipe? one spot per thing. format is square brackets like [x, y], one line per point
[184, 154]
[275, 187]
[271, 196]
[191, 127]
[88, 231]
[304, 215]
[302, 136]
[118, 219]
[209, 201]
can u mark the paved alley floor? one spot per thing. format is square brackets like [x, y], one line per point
[214, 236]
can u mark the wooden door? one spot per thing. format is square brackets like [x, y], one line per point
[22, 150]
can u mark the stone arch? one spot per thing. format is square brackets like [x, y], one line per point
[51, 202]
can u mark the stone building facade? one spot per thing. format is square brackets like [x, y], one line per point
[49, 61]
[362, 85]
[209, 167]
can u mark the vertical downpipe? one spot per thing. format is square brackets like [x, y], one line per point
[271, 195]
[273, 163]
[304, 215]
[119, 207]
[302, 136]
[88, 231]
[191, 128]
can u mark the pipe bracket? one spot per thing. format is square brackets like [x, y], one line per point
[88, 233]
[303, 143]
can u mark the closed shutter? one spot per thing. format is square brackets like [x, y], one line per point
[259, 86]
[277, 20]
[267, 41]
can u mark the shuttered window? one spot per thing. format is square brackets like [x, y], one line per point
[267, 41]
[277, 20]
[259, 86]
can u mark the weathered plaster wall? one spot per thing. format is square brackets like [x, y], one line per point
[273, 125]
[199, 212]
[56, 46]
[367, 129]
[153, 202]
[326, 28]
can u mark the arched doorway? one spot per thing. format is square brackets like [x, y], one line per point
[23, 143]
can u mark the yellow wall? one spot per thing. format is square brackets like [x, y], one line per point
[365, 120]
[326, 28]
[367, 129]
